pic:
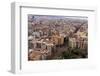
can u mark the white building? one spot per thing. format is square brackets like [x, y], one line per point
[36, 34]
[72, 42]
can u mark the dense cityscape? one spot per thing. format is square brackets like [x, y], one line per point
[57, 37]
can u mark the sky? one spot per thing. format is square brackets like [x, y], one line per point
[30, 16]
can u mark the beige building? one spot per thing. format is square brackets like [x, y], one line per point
[34, 55]
[58, 40]
[49, 48]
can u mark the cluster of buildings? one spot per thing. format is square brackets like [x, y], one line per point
[44, 37]
[79, 39]
[44, 46]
